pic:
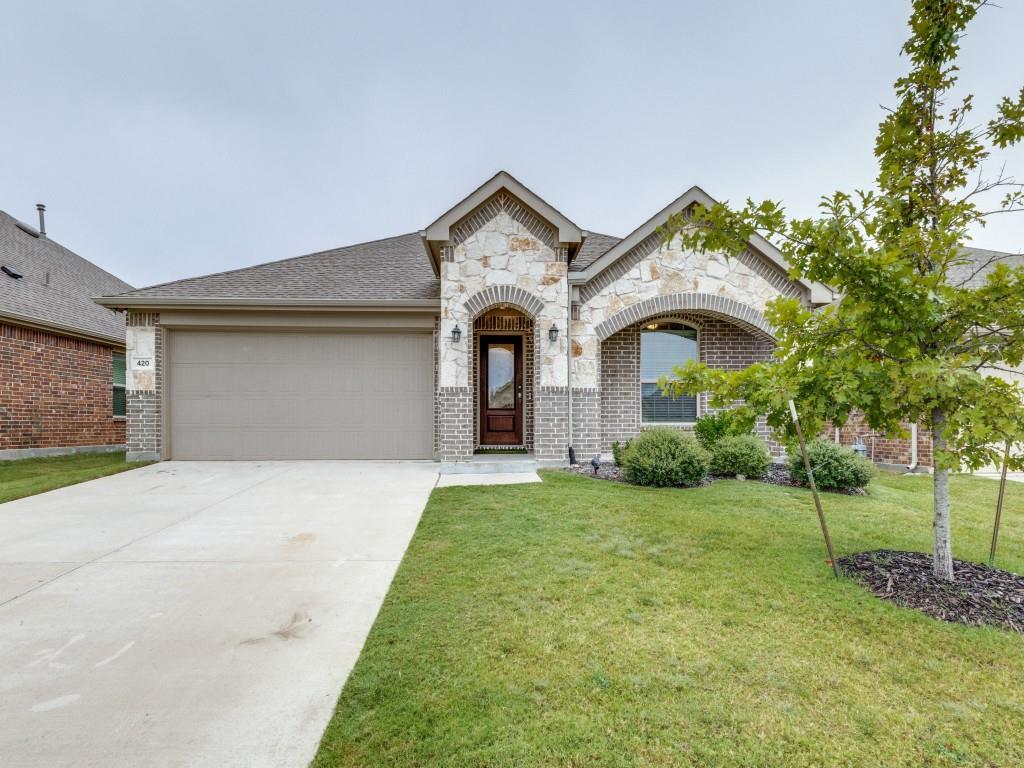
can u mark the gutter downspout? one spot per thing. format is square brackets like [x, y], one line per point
[568, 364]
[913, 448]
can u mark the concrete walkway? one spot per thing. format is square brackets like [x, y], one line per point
[1016, 477]
[193, 614]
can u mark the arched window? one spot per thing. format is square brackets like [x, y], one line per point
[663, 346]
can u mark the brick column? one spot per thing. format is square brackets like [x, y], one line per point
[144, 388]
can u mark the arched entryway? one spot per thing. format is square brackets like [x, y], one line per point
[502, 375]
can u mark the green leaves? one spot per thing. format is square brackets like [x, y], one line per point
[905, 339]
[1008, 128]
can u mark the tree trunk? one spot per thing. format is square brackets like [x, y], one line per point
[942, 554]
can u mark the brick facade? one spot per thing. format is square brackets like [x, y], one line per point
[55, 392]
[721, 344]
[551, 436]
[455, 423]
[145, 394]
[895, 451]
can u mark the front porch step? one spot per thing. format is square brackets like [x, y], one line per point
[491, 464]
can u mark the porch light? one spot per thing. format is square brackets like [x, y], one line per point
[553, 333]
[456, 334]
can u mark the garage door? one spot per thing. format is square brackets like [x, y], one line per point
[315, 395]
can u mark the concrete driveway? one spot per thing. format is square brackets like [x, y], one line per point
[193, 614]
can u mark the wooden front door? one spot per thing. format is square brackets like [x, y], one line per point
[501, 390]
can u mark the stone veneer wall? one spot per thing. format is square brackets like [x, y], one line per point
[55, 394]
[653, 278]
[502, 255]
[145, 389]
[722, 344]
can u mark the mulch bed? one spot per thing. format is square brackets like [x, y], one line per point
[980, 595]
[778, 474]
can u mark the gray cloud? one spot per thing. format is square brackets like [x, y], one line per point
[173, 139]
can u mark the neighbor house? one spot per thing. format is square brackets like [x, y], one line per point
[502, 325]
[62, 356]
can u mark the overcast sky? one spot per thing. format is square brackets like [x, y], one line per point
[175, 139]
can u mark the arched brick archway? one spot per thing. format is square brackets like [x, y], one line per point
[685, 302]
[480, 308]
[495, 295]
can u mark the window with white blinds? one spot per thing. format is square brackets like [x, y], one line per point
[663, 346]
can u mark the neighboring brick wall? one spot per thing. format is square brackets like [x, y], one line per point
[145, 421]
[882, 449]
[722, 345]
[55, 391]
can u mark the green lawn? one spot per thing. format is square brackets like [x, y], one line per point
[583, 623]
[27, 477]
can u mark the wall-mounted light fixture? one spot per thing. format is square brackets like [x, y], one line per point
[553, 333]
[456, 334]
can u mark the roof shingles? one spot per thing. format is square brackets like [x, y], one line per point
[57, 286]
[395, 269]
[594, 247]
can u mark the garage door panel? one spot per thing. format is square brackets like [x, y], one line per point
[249, 395]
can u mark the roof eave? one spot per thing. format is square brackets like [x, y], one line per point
[240, 302]
[63, 330]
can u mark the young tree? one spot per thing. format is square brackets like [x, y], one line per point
[905, 340]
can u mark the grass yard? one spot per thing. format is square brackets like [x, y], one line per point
[585, 623]
[27, 477]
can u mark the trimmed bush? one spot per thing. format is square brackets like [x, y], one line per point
[745, 455]
[664, 457]
[619, 451]
[712, 427]
[835, 467]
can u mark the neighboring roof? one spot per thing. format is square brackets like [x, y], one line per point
[394, 269]
[56, 287]
[971, 272]
[594, 246]
[819, 294]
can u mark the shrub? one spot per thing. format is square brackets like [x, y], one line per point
[740, 455]
[712, 427]
[664, 457]
[619, 451]
[834, 466]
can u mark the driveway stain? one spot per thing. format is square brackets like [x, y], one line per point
[293, 630]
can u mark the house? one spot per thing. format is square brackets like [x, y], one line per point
[915, 451]
[502, 325]
[62, 357]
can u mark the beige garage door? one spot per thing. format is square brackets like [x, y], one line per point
[280, 395]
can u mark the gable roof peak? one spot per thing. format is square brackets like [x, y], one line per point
[818, 293]
[439, 231]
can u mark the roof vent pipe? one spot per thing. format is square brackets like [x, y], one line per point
[42, 219]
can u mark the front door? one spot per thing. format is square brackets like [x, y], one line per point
[501, 390]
